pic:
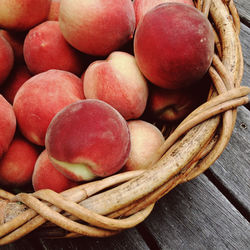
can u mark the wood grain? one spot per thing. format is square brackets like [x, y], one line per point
[195, 215]
[245, 44]
[243, 7]
[232, 168]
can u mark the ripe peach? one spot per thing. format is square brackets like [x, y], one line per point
[7, 124]
[6, 56]
[45, 175]
[119, 82]
[174, 45]
[16, 40]
[41, 97]
[145, 140]
[171, 105]
[16, 79]
[143, 6]
[54, 10]
[86, 139]
[45, 48]
[23, 14]
[17, 164]
[97, 27]
[174, 105]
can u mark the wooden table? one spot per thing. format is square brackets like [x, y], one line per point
[210, 212]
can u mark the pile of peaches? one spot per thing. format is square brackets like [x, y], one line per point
[83, 84]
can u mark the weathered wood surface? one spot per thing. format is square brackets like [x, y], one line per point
[243, 7]
[232, 170]
[245, 43]
[196, 215]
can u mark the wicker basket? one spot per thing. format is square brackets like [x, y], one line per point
[105, 207]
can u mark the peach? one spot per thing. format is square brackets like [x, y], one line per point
[87, 139]
[45, 176]
[174, 105]
[17, 164]
[119, 82]
[21, 15]
[6, 56]
[145, 138]
[45, 48]
[54, 10]
[179, 51]
[7, 124]
[171, 105]
[143, 6]
[16, 40]
[97, 27]
[41, 97]
[18, 76]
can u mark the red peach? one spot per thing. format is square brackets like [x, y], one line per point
[41, 97]
[86, 139]
[16, 79]
[145, 140]
[174, 105]
[45, 48]
[46, 176]
[16, 40]
[17, 164]
[7, 124]
[97, 27]
[119, 82]
[143, 6]
[174, 45]
[23, 14]
[6, 56]
[171, 105]
[54, 10]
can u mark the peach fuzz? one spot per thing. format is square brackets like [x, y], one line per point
[16, 40]
[41, 97]
[119, 82]
[45, 48]
[97, 27]
[6, 56]
[145, 140]
[54, 10]
[88, 139]
[179, 52]
[21, 15]
[17, 164]
[18, 76]
[7, 124]
[143, 6]
[46, 176]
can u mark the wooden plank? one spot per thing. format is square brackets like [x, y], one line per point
[232, 168]
[195, 215]
[243, 7]
[245, 43]
[126, 240]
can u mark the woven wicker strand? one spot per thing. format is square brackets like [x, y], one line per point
[105, 207]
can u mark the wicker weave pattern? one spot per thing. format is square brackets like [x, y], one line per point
[126, 199]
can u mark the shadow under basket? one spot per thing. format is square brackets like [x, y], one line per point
[106, 207]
